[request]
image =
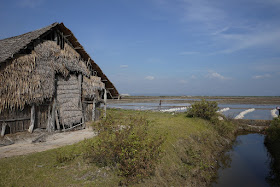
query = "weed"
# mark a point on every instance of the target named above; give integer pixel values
(127, 146)
(208, 110)
(273, 132)
(272, 143)
(186, 158)
(203, 109)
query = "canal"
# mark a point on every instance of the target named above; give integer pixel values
(246, 164)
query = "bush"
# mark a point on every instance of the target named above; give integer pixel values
(273, 131)
(127, 146)
(203, 109)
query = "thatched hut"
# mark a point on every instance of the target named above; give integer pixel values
(48, 81)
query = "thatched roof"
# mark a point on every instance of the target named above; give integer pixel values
(30, 78)
(11, 46)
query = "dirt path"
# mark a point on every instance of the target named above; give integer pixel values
(25, 146)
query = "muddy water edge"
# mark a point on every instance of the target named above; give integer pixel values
(249, 162)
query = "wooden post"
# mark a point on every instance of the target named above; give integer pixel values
(105, 102)
(57, 121)
(80, 80)
(93, 110)
(32, 119)
(80, 88)
(3, 129)
(50, 126)
(53, 113)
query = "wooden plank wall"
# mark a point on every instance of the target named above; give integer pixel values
(41, 116)
(87, 106)
(87, 111)
(17, 125)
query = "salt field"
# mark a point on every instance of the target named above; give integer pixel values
(236, 111)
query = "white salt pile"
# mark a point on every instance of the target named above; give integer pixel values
(241, 115)
(223, 110)
(174, 109)
(273, 113)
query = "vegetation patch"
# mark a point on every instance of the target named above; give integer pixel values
(203, 109)
(272, 142)
(127, 146)
(133, 148)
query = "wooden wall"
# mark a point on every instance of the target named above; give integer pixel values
(41, 116)
(87, 106)
(17, 121)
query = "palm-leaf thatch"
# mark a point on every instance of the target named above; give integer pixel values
(91, 86)
(30, 78)
(10, 47)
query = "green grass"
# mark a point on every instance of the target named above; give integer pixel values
(191, 149)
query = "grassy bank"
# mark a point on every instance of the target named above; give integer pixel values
(189, 156)
(272, 143)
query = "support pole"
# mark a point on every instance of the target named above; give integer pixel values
(80, 80)
(56, 120)
(93, 110)
(32, 119)
(105, 102)
(80, 89)
(50, 126)
(53, 113)
(3, 129)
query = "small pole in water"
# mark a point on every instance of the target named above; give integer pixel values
(278, 108)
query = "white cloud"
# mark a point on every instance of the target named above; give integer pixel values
(202, 11)
(189, 53)
(193, 77)
(226, 32)
(215, 75)
(261, 76)
(153, 60)
(220, 31)
(30, 3)
(244, 41)
(150, 78)
(183, 81)
(123, 66)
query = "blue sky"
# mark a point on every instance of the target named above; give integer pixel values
(167, 47)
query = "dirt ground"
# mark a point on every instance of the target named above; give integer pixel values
(25, 143)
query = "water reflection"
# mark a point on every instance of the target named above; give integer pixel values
(274, 175)
(248, 165)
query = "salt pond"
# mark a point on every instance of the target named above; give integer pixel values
(261, 111)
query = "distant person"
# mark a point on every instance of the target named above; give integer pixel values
(159, 104)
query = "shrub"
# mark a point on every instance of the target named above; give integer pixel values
(203, 109)
(223, 127)
(273, 131)
(127, 146)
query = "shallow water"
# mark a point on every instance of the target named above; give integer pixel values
(147, 106)
(247, 164)
(261, 112)
(181, 99)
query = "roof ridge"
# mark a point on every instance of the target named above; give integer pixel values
(51, 25)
